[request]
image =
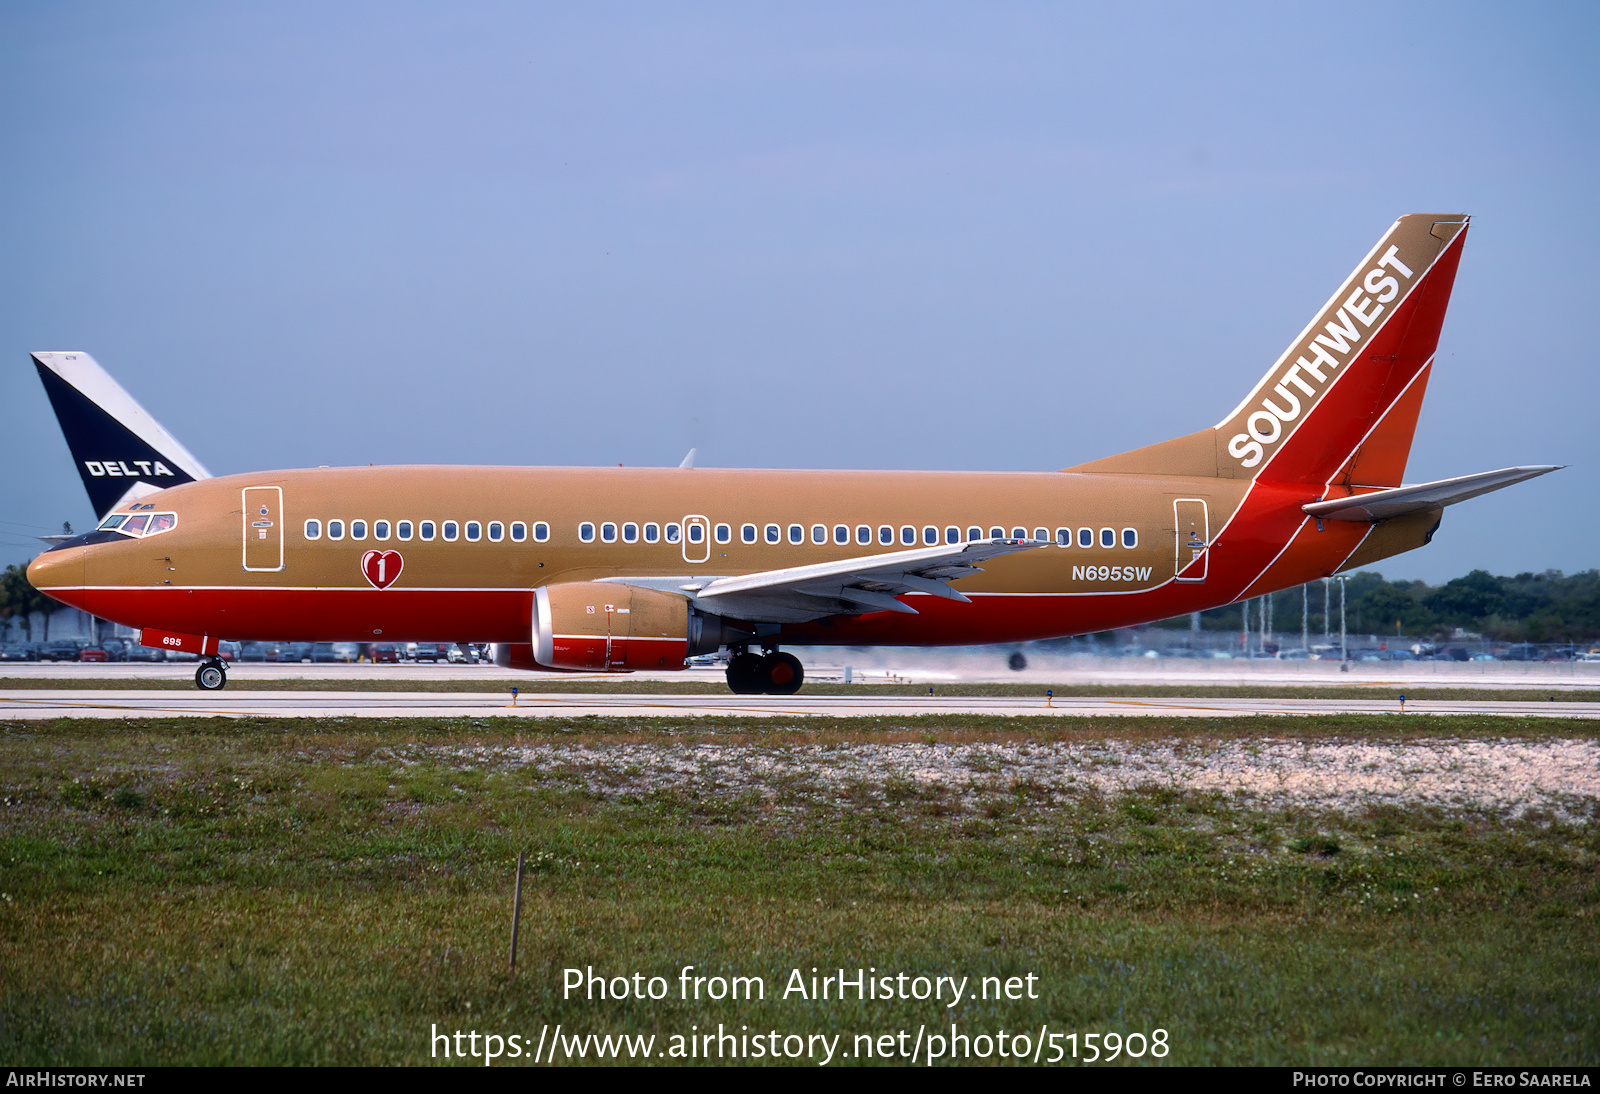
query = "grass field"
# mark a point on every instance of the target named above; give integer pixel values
(282, 891)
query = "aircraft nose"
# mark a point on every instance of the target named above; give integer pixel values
(57, 569)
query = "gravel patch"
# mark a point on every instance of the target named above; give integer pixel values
(1555, 778)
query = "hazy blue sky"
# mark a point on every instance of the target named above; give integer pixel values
(989, 236)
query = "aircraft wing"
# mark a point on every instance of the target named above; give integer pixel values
(852, 586)
(1397, 502)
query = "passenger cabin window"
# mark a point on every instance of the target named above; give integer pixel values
(358, 529)
(974, 533)
(908, 535)
(380, 529)
(952, 534)
(497, 531)
(773, 534)
(1019, 533)
(1041, 534)
(336, 529)
(819, 533)
(1085, 537)
(724, 534)
(673, 533)
(863, 534)
(747, 533)
(608, 532)
(630, 533)
(885, 535)
(519, 531)
(541, 531)
(652, 533)
(997, 533)
(425, 530)
(313, 527)
(1108, 537)
(403, 530)
(586, 532)
(474, 531)
(451, 531)
(697, 533)
(841, 534)
(1063, 537)
(930, 536)
(1130, 537)
(797, 534)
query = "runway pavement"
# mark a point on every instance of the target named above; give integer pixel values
(923, 667)
(134, 703)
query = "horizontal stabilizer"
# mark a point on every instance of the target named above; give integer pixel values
(121, 451)
(1401, 500)
(852, 586)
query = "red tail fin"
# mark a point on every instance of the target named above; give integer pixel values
(1342, 401)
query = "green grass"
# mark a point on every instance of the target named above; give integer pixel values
(301, 891)
(627, 686)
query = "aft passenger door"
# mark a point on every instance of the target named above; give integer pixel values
(1192, 556)
(263, 528)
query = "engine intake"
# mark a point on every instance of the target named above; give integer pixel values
(597, 626)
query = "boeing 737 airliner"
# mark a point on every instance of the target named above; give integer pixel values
(617, 569)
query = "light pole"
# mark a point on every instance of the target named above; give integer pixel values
(1344, 650)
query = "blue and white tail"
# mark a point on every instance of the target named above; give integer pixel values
(122, 452)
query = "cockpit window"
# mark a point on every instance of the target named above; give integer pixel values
(139, 524)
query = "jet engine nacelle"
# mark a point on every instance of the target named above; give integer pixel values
(598, 626)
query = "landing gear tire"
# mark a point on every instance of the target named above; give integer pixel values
(781, 674)
(744, 674)
(211, 676)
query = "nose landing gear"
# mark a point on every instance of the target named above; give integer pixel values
(212, 675)
(774, 673)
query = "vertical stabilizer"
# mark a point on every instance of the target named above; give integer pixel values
(1342, 401)
(121, 451)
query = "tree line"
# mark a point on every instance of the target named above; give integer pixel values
(1545, 607)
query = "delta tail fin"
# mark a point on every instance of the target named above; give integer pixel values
(1340, 406)
(122, 452)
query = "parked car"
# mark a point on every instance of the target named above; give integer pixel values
(95, 654)
(18, 651)
(116, 648)
(432, 652)
(385, 654)
(228, 651)
(62, 650)
(289, 652)
(136, 652)
(347, 652)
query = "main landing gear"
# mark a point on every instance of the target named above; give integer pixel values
(772, 673)
(212, 675)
